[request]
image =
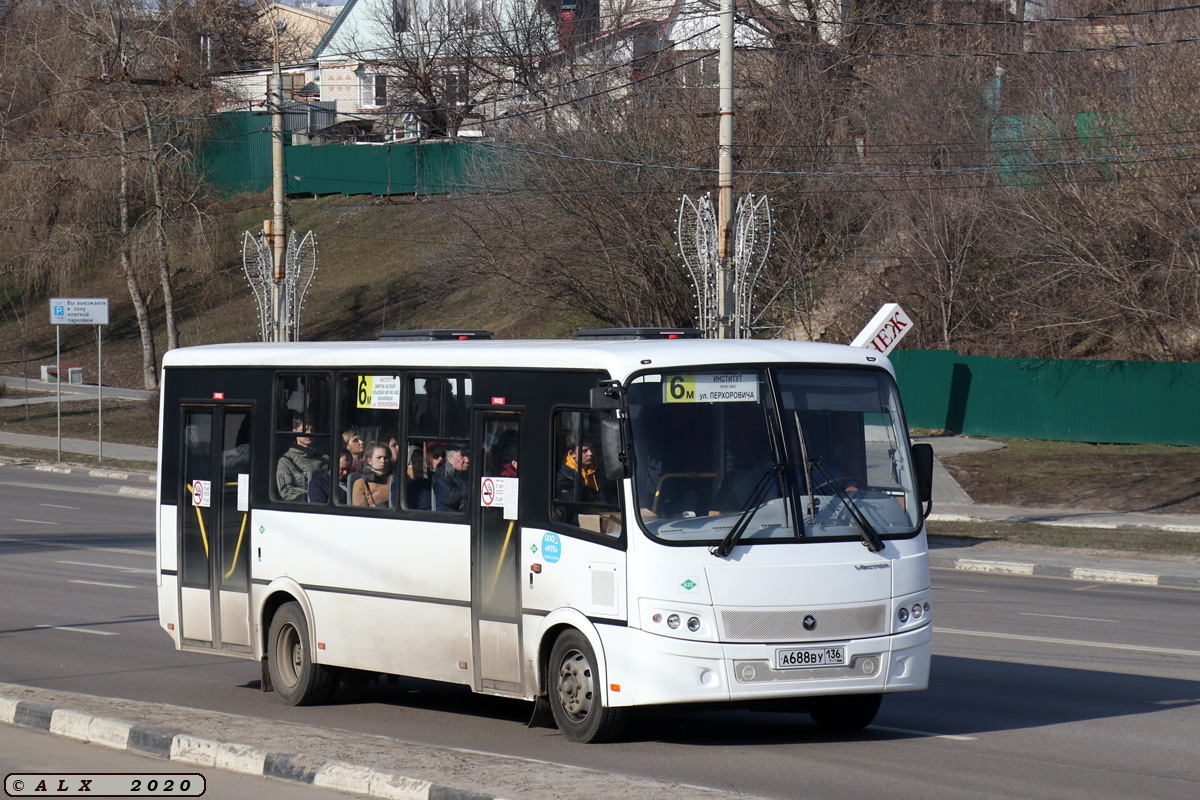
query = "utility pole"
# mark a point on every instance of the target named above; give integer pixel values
(725, 178)
(276, 230)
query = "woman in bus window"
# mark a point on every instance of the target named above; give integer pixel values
(374, 490)
(353, 442)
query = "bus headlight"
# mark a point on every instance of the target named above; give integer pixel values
(693, 624)
(902, 615)
(673, 621)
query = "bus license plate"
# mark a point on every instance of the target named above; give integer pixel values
(809, 657)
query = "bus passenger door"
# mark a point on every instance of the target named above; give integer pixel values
(495, 537)
(214, 528)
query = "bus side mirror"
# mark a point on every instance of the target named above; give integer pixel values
(606, 396)
(616, 465)
(923, 469)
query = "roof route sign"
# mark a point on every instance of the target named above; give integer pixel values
(79, 311)
(885, 330)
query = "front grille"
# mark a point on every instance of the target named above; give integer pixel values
(865, 666)
(787, 625)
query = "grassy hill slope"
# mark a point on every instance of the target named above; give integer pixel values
(382, 264)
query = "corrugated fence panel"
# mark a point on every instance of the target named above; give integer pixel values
(238, 159)
(1058, 399)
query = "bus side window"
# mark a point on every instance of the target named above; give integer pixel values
(437, 453)
(368, 426)
(581, 496)
(301, 440)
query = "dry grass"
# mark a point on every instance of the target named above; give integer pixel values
(1115, 477)
(1122, 542)
(125, 421)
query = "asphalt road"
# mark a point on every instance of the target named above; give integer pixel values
(1040, 687)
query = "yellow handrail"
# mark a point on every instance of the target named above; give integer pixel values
(499, 563)
(200, 519)
(238, 548)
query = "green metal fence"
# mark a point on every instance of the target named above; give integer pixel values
(237, 158)
(1057, 399)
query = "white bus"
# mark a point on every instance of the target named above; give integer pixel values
(593, 524)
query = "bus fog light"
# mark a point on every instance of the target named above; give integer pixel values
(902, 614)
(693, 624)
(917, 611)
(673, 621)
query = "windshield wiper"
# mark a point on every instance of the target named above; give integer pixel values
(870, 536)
(753, 503)
(812, 501)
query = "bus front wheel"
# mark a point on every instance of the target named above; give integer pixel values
(296, 679)
(576, 695)
(847, 712)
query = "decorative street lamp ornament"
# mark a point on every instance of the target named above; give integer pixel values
(300, 265)
(697, 236)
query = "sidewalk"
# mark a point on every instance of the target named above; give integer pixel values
(90, 447)
(71, 392)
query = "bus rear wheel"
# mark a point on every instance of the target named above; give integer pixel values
(576, 696)
(846, 712)
(296, 679)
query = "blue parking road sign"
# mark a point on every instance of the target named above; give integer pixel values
(79, 311)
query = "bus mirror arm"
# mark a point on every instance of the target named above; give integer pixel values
(922, 455)
(612, 443)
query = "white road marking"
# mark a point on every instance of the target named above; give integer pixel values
(54, 505)
(1137, 648)
(34, 521)
(113, 585)
(108, 566)
(1063, 616)
(960, 589)
(77, 630)
(926, 734)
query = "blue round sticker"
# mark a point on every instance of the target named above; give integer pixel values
(551, 548)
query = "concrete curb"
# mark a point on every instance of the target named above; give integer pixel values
(1001, 566)
(106, 474)
(186, 749)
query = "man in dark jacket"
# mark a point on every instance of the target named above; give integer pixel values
(298, 464)
(450, 488)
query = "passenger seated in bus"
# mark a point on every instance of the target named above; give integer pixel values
(352, 441)
(393, 442)
(418, 488)
(374, 490)
(318, 487)
(450, 487)
(508, 461)
(299, 462)
(435, 454)
(576, 480)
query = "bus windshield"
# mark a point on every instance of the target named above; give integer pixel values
(812, 453)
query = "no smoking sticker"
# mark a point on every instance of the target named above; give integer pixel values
(202, 493)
